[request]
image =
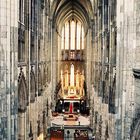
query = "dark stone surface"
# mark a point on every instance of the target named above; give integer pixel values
(136, 73)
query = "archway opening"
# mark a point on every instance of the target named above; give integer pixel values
(71, 22)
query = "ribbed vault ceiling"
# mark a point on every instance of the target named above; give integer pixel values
(62, 10)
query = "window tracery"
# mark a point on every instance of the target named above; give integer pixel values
(72, 35)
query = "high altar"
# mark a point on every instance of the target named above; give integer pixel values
(72, 83)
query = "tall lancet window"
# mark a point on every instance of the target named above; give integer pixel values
(21, 31)
(82, 38)
(78, 35)
(66, 36)
(63, 40)
(21, 11)
(73, 28)
(72, 35)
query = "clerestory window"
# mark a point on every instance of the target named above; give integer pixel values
(21, 11)
(72, 36)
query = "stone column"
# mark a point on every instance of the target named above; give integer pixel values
(126, 42)
(22, 126)
(88, 63)
(53, 63)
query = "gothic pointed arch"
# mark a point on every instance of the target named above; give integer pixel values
(32, 86)
(64, 9)
(22, 92)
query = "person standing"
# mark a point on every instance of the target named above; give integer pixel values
(68, 133)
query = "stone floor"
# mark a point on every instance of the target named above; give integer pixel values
(82, 120)
(81, 123)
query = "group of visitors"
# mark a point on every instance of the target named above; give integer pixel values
(79, 135)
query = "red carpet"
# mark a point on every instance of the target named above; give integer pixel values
(57, 138)
(71, 108)
(57, 135)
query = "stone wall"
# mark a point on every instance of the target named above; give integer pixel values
(104, 68)
(127, 60)
(36, 69)
(8, 69)
(32, 75)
